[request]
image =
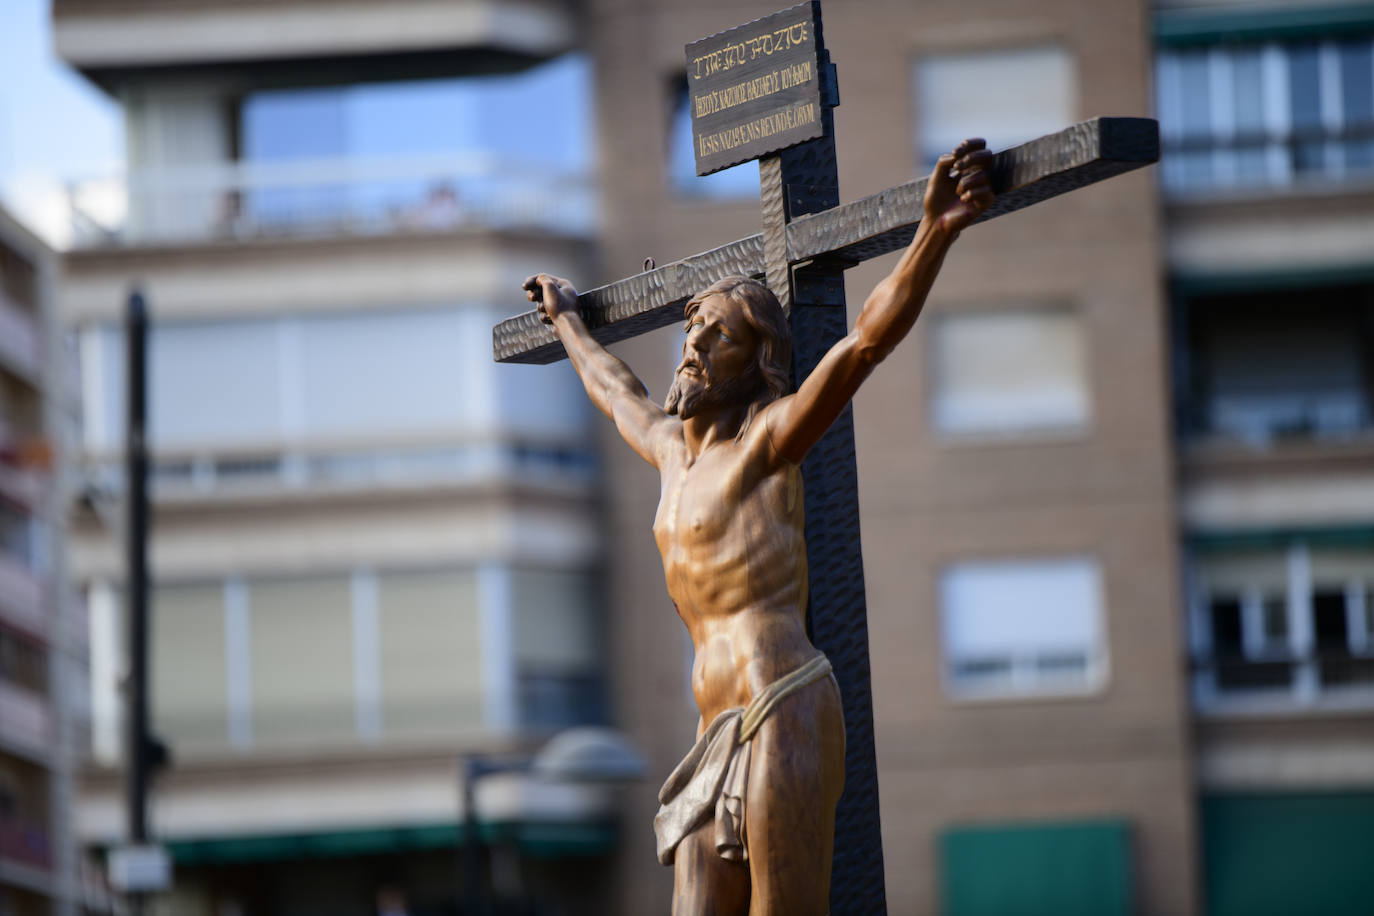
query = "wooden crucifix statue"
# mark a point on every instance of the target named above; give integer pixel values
(766, 577)
(748, 819)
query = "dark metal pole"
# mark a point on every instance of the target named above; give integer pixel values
(136, 547)
(475, 892)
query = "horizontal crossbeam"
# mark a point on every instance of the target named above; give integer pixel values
(1072, 158)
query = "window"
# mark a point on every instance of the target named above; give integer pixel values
(431, 664)
(410, 155)
(190, 696)
(556, 643)
(1283, 626)
(344, 658)
(1005, 96)
(21, 537)
(739, 181)
(1268, 366)
(1265, 113)
(1019, 627)
(1009, 372)
(326, 376)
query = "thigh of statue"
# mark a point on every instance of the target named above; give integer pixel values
(796, 776)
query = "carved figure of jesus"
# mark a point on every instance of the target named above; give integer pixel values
(747, 820)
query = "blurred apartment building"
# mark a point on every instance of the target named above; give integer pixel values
(1116, 490)
(373, 552)
(44, 687)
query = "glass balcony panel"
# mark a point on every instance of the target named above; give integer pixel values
(24, 719)
(21, 347)
(21, 597)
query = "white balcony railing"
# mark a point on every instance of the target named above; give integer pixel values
(330, 197)
(24, 719)
(326, 467)
(21, 597)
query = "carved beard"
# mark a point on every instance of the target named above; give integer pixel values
(739, 391)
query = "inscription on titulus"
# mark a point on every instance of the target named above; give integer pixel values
(755, 89)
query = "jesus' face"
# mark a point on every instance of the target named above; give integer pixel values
(719, 365)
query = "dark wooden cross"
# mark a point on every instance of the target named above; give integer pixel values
(808, 240)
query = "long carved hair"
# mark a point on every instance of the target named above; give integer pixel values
(765, 315)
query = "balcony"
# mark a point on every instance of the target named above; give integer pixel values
(1264, 113)
(19, 486)
(118, 43)
(21, 598)
(1276, 366)
(330, 198)
(25, 843)
(25, 722)
(323, 468)
(21, 344)
(1279, 629)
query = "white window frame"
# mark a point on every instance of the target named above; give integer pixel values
(1025, 683)
(1011, 435)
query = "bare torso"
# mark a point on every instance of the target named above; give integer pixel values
(730, 528)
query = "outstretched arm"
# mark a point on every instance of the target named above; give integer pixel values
(958, 192)
(610, 384)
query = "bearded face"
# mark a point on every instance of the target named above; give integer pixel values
(693, 392)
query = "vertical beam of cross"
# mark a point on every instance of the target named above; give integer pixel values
(800, 180)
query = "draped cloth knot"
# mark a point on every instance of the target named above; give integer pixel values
(714, 776)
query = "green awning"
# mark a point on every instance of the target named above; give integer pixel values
(1207, 26)
(1336, 538)
(1080, 868)
(1286, 853)
(1193, 285)
(538, 840)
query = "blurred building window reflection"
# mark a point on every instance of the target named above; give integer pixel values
(1011, 371)
(1246, 115)
(557, 638)
(346, 658)
(431, 664)
(1278, 627)
(739, 181)
(335, 398)
(1017, 93)
(1274, 365)
(1023, 627)
(359, 159)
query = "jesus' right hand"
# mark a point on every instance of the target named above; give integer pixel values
(553, 295)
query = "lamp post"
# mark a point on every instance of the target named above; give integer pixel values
(584, 755)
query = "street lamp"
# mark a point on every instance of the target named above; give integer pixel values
(586, 755)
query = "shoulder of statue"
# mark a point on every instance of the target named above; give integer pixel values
(762, 430)
(669, 443)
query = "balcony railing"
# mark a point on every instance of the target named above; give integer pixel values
(1262, 421)
(1324, 678)
(22, 841)
(1253, 160)
(230, 471)
(243, 201)
(21, 597)
(21, 344)
(18, 485)
(24, 719)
